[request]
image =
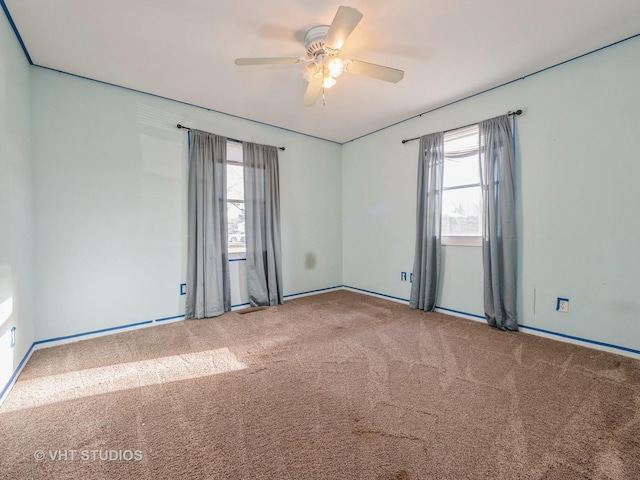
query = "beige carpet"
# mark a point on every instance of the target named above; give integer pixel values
(334, 386)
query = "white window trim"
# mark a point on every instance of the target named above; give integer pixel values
(462, 240)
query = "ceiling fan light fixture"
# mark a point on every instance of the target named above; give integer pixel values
(335, 67)
(328, 81)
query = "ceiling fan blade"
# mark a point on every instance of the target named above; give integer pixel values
(268, 61)
(372, 70)
(313, 90)
(343, 24)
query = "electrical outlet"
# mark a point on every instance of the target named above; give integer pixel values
(562, 305)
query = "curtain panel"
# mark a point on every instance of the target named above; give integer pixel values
(426, 263)
(208, 287)
(262, 224)
(499, 245)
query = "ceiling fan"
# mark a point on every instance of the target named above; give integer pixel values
(323, 65)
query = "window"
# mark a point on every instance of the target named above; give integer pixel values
(462, 195)
(235, 200)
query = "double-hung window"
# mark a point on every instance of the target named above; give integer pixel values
(462, 194)
(235, 200)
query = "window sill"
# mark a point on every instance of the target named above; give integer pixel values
(235, 256)
(462, 241)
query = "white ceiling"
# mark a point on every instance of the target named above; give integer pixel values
(184, 50)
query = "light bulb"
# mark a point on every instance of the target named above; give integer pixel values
(336, 66)
(328, 82)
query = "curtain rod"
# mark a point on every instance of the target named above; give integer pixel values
(510, 113)
(232, 139)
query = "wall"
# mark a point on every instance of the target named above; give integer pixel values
(110, 204)
(577, 171)
(16, 218)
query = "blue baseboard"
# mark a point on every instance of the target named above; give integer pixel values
(318, 290)
(240, 305)
(526, 327)
(165, 319)
(17, 370)
(580, 339)
(376, 293)
(93, 332)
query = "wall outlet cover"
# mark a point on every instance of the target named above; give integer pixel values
(562, 305)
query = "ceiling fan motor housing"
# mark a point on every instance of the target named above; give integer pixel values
(314, 40)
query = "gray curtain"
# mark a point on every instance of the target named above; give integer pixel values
(208, 288)
(262, 224)
(499, 230)
(426, 262)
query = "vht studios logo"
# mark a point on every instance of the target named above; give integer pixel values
(89, 455)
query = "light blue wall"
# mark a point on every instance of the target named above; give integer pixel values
(577, 168)
(16, 218)
(110, 169)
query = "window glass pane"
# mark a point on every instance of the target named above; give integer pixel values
(461, 171)
(462, 212)
(235, 182)
(235, 217)
(235, 201)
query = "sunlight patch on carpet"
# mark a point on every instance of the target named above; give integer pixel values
(95, 381)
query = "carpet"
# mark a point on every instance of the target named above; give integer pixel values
(333, 386)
